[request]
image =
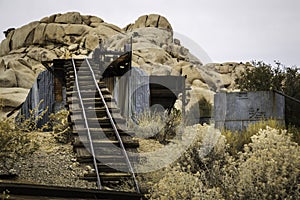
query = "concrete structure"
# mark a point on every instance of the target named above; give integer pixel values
(235, 111)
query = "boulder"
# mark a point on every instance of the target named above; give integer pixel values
(224, 69)
(23, 36)
(41, 54)
(28, 62)
(152, 20)
(163, 23)
(199, 84)
(77, 29)
(212, 78)
(73, 47)
(140, 22)
(105, 30)
(156, 36)
(91, 41)
(147, 68)
(7, 78)
(142, 38)
(24, 76)
(161, 70)
(193, 110)
(95, 21)
(18, 51)
(139, 44)
(55, 33)
(226, 80)
(69, 18)
(5, 44)
(71, 39)
(50, 19)
(154, 55)
(192, 72)
(11, 98)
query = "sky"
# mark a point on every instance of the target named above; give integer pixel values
(214, 30)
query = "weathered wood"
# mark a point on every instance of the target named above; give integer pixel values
(31, 191)
(106, 147)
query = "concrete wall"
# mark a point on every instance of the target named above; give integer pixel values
(235, 111)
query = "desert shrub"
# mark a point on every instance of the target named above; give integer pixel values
(60, 126)
(205, 108)
(270, 167)
(295, 133)
(262, 77)
(148, 124)
(208, 145)
(237, 140)
(14, 144)
(198, 112)
(178, 184)
(267, 167)
(157, 125)
(291, 84)
(30, 123)
(189, 177)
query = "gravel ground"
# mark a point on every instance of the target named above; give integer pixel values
(52, 163)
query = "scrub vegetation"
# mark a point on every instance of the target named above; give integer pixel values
(262, 164)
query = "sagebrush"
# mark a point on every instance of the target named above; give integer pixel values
(267, 167)
(14, 144)
(60, 126)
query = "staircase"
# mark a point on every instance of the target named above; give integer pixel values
(100, 137)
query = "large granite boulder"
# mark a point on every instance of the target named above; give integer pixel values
(152, 20)
(58, 36)
(71, 34)
(10, 98)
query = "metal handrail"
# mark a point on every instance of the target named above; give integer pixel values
(115, 129)
(87, 127)
(287, 96)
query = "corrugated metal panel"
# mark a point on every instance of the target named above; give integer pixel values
(235, 111)
(40, 98)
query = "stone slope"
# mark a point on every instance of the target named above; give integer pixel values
(75, 35)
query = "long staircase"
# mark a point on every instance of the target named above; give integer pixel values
(100, 137)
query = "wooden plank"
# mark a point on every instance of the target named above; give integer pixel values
(32, 191)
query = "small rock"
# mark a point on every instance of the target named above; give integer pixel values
(176, 41)
(83, 51)
(12, 171)
(73, 47)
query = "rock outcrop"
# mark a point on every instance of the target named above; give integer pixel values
(58, 36)
(23, 52)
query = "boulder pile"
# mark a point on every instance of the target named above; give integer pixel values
(24, 50)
